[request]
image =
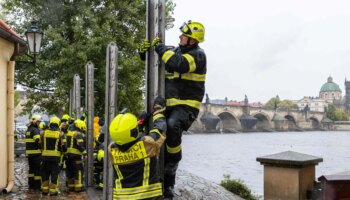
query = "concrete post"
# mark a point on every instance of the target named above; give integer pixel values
(288, 175)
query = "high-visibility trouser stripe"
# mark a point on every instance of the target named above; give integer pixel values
(30, 175)
(191, 103)
(157, 116)
(173, 150)
(146, 172)
(30, 140)
(186, 76)
(37, 177)
(35, 137)
(74, 151)
(167, 55)
(149, 194)
(80, 140)
(118, 184)
(79, 184)
(155, 131)
(51, 153)
(191, 62)
(37, 151)
(140, 189)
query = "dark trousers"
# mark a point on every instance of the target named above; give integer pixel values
(74, 173)
(34, 174)
(179, 119)
(50, 169)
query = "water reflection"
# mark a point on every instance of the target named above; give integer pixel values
(212, 155)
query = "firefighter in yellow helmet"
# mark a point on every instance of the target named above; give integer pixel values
(33, 152)
(134, 158)
(75, 153)
(53, 145)
(185, 71)
(64, 128)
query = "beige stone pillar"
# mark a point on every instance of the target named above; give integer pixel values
(288, 175)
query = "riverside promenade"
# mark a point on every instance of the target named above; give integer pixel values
(188, 187)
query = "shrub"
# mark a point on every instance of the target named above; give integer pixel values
(237, 186)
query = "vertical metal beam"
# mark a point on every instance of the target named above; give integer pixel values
(154, 67)
(77, 96)
(70, 102)
(89, 99)
(110, 110)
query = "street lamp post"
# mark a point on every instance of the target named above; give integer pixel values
(34, 37)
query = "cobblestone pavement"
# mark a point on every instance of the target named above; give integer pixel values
(20, 191)
(188, 187)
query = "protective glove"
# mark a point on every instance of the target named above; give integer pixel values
(159, 105)
(143, 120)
(145, 45)
(156, 41)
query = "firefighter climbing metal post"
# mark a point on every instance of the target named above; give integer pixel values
(154, 68)
(89, 99)
(110, 110)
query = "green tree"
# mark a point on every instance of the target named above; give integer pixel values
(17, 98)
(77, 32)
(331, 112)
(341, 115)
(275, 103)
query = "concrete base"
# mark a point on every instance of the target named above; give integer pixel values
(288, 183)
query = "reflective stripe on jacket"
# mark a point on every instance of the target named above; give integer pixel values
(32, 141)
(185, 75)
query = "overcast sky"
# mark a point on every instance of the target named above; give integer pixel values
(267, 47)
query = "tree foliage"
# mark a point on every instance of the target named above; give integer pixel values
(336, 114)
(76, 32)
(275, 103)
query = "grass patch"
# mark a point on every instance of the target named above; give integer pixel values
(237, 187)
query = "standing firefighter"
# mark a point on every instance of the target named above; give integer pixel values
(53, 145)
(184, 91)
(33, 152)
(134, 158)
(75, 153)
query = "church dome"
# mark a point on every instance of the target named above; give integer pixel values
(330, 86)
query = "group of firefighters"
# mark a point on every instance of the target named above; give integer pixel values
(133, 153)
(51, 147)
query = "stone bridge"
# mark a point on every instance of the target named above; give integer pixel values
(226, 118)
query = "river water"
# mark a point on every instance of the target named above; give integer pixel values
(212, 155)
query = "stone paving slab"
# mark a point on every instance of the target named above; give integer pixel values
(188, 187)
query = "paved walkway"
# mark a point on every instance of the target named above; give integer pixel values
(188, 187)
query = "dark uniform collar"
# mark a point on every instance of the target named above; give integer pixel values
(187, 48)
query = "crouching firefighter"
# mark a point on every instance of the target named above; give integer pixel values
(134, 158)
(53, 145)
(75, 153)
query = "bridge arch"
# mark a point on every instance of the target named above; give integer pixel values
(292, 124)
(264, 121)
(229, 122)
(315, 123)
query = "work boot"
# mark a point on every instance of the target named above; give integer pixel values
(169, 192)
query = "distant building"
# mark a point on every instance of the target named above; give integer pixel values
(347, 96)
(330, 91)
(312, 103)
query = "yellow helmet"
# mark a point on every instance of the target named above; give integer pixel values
(36, 118)
(80, 124)
(54, 120)
(123, 128)
(193, 30)
(65, 117)
(100, 155)
(42, 125)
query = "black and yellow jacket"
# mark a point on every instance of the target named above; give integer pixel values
(186, 68)
(53, 144)
(75, 143)
(33, 141)
(135, 164)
